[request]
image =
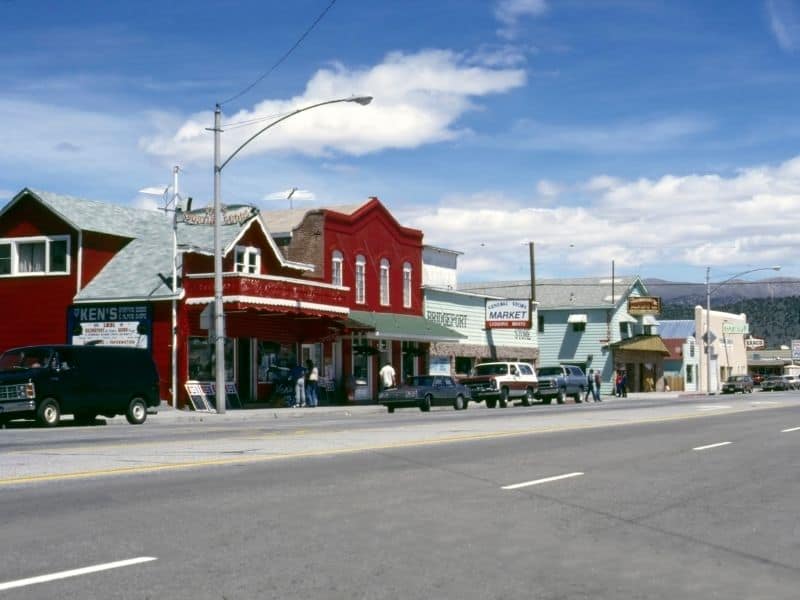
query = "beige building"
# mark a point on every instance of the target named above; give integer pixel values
(728, 354)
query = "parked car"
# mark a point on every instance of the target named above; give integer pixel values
(559, 382)
(793, 381)
(775, 383)
(501, 382)
(44, 382)
(738, 383)
(424, 391)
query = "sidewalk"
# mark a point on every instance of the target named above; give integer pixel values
(167, 414)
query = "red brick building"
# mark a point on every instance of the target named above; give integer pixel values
(340, 287)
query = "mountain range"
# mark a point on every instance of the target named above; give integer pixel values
(772, 305)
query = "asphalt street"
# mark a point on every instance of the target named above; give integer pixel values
(640, 499)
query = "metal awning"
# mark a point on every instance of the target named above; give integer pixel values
(649, 320)
(392, 326)
(577, 318)
(626, 318)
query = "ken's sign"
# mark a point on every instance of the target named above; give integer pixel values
(508, 314)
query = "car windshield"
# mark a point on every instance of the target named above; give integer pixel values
(490, 369)
(549, 371)
(24, 359)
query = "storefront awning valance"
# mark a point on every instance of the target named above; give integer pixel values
(577, 318)
(642, 343)
(391, 326)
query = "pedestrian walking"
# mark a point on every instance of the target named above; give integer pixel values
(298, 377)
(596, 389)
(589, 385)
(618, 384)
(312, 375)
(624, 385)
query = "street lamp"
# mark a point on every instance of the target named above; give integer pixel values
(709, 291)
(219, 327)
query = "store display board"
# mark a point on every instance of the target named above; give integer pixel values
(203, 395)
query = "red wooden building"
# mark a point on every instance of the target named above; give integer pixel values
(338, 286)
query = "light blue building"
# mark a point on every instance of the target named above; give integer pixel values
(586, 322)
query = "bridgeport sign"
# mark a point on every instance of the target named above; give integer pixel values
(508, 314)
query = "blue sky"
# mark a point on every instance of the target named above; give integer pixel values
(662, 135)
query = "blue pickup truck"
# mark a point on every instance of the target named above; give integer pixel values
(560, 382)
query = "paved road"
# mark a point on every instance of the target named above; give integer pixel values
(647, 499)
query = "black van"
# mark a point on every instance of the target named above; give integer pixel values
(44, 382)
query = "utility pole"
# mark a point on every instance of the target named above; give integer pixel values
(219, 315)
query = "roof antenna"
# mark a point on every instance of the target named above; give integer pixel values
(289, 197)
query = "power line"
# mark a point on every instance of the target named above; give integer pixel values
(284, 57)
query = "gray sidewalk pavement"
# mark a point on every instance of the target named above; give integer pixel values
(167, 414)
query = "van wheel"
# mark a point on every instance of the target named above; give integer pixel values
(503, 397)
(49, 413)
(137, 411)
(527, 399)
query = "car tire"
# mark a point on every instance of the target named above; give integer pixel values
(390, 409)
(561, 397)
(460, 403)
(527, 400)
(137, 411)
(49, 413)
(491, 402)
(503, 397)
(425, 405)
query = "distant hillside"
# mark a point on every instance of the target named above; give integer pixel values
(772, 306)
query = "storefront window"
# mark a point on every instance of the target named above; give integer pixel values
(202, 364)
(274, 361)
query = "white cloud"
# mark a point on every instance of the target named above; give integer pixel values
(644, 225)
(784, 20)
(418, 99)
(509, 13)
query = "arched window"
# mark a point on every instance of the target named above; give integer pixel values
(384, 282)
(336, 268)
(407, 285)
(361, 267)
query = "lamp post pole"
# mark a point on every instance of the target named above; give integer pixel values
(709, 291)
(219, 315)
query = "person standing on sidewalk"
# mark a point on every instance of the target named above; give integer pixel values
(298, 377)
(597, 383)
(388, 376)
(589, 386)
(311, 383)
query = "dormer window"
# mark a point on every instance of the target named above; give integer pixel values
(248, 259)
(384, 282)
(336, 268)
(41, 255)
(361, 268)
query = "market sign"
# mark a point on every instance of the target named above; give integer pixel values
(644, 305)
(508, 314)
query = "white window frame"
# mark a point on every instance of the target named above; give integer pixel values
(384, 282)
(361, 276)
(242, 257)
(47, 240)
(407, 285)
(337, 262)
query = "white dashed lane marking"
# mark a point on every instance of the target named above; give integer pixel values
(516, 486)
(709, 446)
(8, 585)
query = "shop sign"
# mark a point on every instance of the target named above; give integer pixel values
(795, 349)
(439, 365)
(234, 214)
(644, 305)
(447, 319)
(735, 328)
(110, 325)
(508, 314)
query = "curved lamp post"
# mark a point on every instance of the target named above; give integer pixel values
(219, 319)
(709, 291)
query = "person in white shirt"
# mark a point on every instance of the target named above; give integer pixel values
(388, 376)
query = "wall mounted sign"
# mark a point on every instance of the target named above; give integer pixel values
(110, 325)
(644, 305)
(508, 314)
